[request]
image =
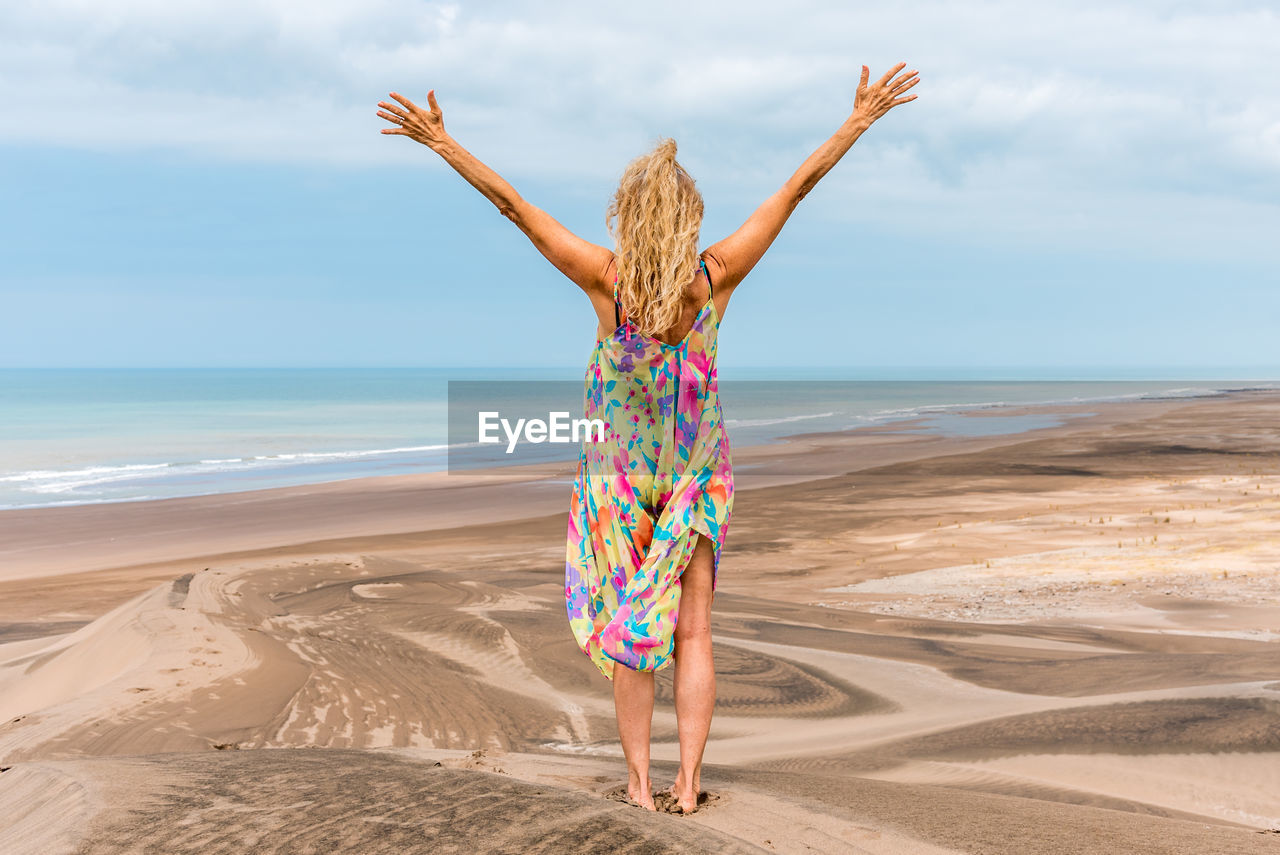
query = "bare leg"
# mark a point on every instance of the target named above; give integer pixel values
(633, 701)
(695, 674)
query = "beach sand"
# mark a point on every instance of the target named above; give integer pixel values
(1066, 640)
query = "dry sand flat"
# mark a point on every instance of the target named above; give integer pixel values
(928, 654)
(337, 800)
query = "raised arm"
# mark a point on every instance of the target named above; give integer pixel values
(583, 262)
(739, 252)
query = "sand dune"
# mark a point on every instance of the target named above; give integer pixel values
(334, 801)
(926, 654)
(297, 800)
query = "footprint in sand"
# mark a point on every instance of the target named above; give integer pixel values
(663, 801)
(478, 759)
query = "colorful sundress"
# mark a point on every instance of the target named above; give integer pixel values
(661, 476)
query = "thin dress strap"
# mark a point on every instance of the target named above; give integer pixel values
(710, 291)
(618, 315)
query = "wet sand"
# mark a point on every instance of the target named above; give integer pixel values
(1061, 641)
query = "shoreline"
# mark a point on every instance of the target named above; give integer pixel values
(932, 413)
(68, 539)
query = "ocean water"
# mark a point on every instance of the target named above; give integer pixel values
(74, 436)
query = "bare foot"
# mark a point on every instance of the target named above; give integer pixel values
(685, 798)
(641, 795)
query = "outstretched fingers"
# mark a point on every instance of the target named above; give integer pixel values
(395, 115)
(888, 75)
(907, 82)
(405, 101)
(421, 125)
(897, 91)
(393, 109)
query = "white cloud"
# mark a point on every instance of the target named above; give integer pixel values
(1116, 121)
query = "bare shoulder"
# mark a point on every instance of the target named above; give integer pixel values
(723, 278)
(603, 283)
(721, 287)
(601, 295)
(715, 265)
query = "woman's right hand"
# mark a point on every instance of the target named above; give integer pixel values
(424, 126)
(872, 102)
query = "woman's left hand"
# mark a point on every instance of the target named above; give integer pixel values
(425, 126)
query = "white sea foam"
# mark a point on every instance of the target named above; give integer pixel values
(55, 481)
(40, 474)
(901, 413)
(779, 420)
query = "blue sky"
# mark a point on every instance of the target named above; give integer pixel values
(1092, 185)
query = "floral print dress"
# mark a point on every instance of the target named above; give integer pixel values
(661, 476)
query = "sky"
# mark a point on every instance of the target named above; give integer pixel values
(1078, 185)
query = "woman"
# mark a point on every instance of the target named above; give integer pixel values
(651, 503)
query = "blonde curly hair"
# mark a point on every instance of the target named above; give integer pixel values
(658, 212)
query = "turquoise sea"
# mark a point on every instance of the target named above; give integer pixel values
(73, 436)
